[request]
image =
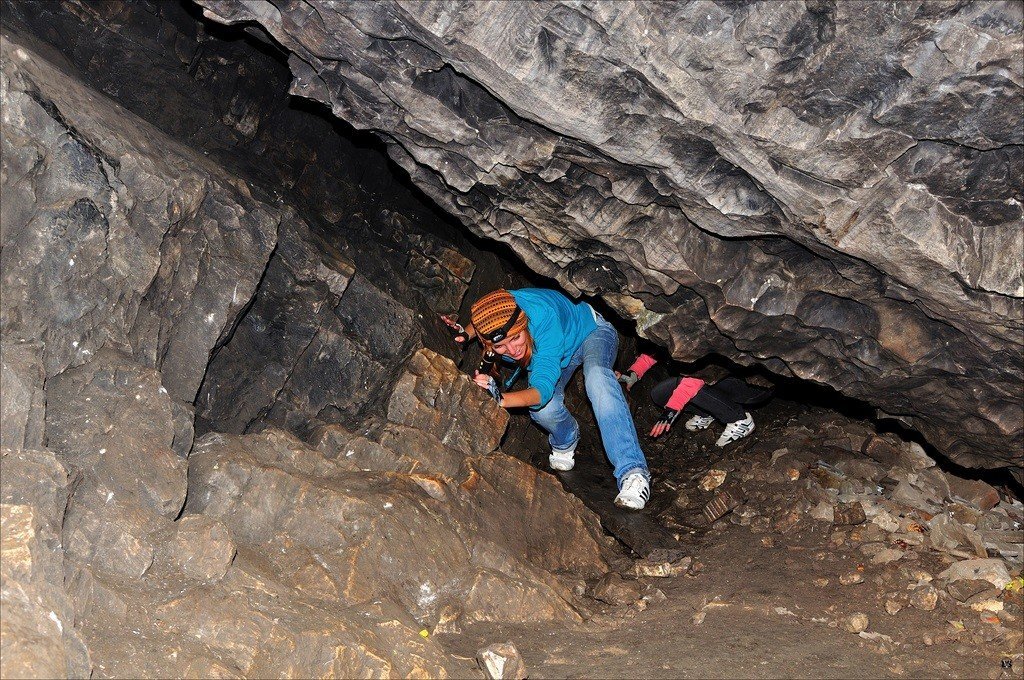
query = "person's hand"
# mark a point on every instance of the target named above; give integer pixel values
(461, 336)
(664, 423)
(628, 379)
(488, 383)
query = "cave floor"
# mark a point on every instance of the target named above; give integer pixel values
(767, 620)
(758, 604)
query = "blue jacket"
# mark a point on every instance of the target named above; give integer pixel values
(558, 326)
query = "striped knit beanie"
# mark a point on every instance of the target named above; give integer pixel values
(493, 311)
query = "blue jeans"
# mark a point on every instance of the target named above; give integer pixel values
(618, 434)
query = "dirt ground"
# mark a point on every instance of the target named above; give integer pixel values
(765, 619)
(765, 604)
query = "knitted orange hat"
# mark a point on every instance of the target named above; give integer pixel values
(494, 311)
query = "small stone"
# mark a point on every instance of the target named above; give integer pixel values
(965, 589)
(872, 549)
(722, 504)
(915, 574)
(712, 480)
(821, 582)
(615, 590)
(867, 533)
(894, 606)
(652, 569)
(855, 623)
(886, 522)
(501, 661)
(989, 605)
(992, 570)
(656, 596)
(886, 556)
(849, 514)
(823, 512)
(760, 524)
(975, 493)
(793, 474)
(924, 598)
(852, 578)
(768, 541)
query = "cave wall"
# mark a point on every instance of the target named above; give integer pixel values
(303, 354)
(140, 275)
(831, 190)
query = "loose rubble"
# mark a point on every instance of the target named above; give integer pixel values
(903, 534)
(501, 661)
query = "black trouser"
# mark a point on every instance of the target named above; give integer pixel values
(723, 401)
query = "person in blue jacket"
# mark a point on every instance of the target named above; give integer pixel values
(551, 336)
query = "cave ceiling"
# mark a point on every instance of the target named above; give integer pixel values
(829, 190)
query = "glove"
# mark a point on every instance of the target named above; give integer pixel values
(492, 389)
(628, 379)
(664, 424)
(459, 331)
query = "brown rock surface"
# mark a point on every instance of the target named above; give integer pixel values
(113, 420)
(361, 536)
(38, 635)
(129, 260)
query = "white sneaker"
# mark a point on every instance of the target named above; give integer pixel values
(635, 492)
(699, 423)
(562, 460)
(736, 430)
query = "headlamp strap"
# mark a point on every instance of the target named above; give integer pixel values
(499, 335)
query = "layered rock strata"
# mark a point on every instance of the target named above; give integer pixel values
(129, 550)
(828, 189)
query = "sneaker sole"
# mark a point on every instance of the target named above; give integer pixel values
(561, 467)
(623, 504)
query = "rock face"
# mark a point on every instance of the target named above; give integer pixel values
(38, 637)
(149, 293)
(828, 189)
(113, 235)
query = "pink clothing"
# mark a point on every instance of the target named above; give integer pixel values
(683, 393)
(643, 363)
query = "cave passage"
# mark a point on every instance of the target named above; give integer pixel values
(238, 440)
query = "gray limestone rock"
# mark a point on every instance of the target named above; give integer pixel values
(828, 189)
(113, 420)
(23, 402)
(115, 233)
